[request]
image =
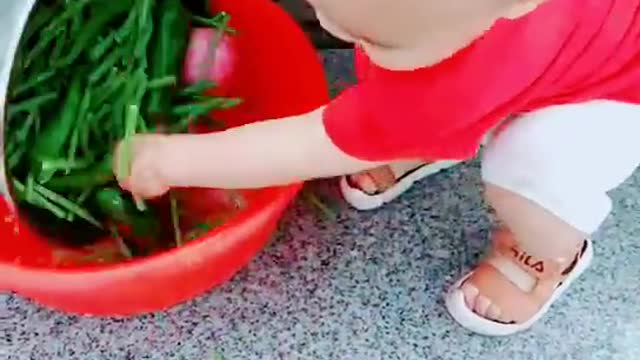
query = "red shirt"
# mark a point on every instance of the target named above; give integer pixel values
(566, 51)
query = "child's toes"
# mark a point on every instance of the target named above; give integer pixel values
(365, 182)
(470, 294)
(481, 305)
(494, 313)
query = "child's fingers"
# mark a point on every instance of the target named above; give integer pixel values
(145, 185)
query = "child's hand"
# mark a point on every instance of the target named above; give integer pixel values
(146, 176)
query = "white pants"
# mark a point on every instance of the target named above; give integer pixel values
(566, 158)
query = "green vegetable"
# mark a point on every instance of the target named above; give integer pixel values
(51, 30)
(50, 142)
(98, 175)
(113, 204)
(31, 104)
(167, 53)
(101, 17)
(84, 75)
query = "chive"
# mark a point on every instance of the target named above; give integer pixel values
(79, 200)
(23, 132)
(175, 219)
(145, 30)
(127, 28)
(200, 229)
(38, 200)
(98, 50)
(205, 107)
(111, 87)
(162, 82)
(67, 205)
(315, 202)
(143, 83)
(65, 164)
(219, 22)
(36, 115)
(15, 156)
(41, 16)
(28, 191)
(32, 82)
(32, 103)
(107, 64)
(60, 40)
(81, 122)
(50, 32)
(124, 162)
(198, 88)
(122, 246)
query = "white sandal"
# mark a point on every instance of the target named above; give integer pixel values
(550, 275)
(364, 201)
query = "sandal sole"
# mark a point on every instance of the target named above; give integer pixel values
(468, 319)
(363, 201)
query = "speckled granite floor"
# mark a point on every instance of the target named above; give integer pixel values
(368, 286)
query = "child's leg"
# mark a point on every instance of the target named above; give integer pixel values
(547, 175)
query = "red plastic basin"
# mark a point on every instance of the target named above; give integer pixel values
(278, 73)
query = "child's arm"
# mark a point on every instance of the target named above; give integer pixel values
(264, 154)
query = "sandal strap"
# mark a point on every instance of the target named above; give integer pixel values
(542, 269)
(383, 177)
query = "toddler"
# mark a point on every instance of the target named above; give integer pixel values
(550, 87)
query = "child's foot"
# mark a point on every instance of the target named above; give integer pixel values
(510, 290)
(373, 188)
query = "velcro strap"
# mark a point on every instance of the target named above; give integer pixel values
(542, 269)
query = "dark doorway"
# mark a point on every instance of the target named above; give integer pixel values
(304, 15)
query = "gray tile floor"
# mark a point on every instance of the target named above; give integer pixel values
(367, 286)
